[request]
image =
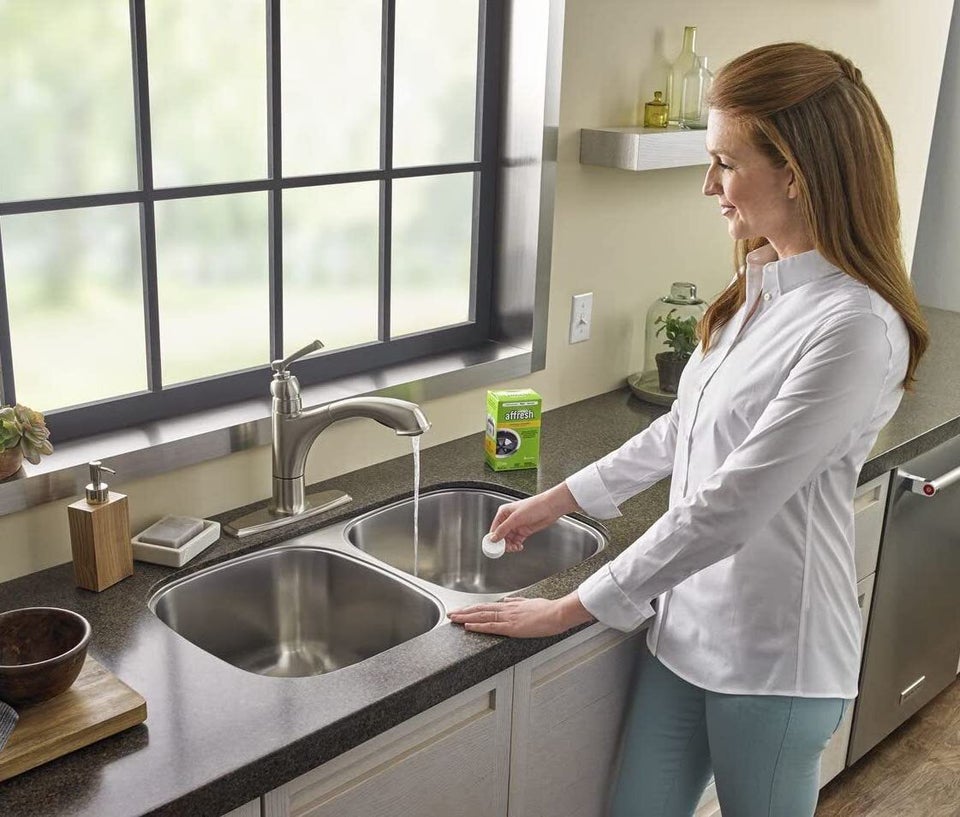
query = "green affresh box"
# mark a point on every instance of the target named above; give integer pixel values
(512, 438)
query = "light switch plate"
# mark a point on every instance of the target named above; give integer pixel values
(581, 315)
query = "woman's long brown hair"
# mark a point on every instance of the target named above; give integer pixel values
(809, 109)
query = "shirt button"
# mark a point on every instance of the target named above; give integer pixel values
(767, 296)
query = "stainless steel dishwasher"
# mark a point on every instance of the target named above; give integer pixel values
(914, 637)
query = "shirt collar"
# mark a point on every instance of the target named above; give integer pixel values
(780, 275)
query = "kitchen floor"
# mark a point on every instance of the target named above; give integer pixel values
(915, 772)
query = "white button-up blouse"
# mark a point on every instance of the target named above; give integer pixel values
(753, 563)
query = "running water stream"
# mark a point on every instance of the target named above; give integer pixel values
(416, 504)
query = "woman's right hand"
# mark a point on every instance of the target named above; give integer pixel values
(515, 521)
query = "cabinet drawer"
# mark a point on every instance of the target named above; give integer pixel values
(451, 759)
(869, 503)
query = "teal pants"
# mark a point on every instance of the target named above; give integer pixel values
(763, 750)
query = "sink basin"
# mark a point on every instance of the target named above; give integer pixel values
(295, 611)
(344, 593)
(452, 523)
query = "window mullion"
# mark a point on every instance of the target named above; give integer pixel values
(388, 29)
(478, 146)
(487, 146)
(148, 232)
(275, 171)
(8, 394)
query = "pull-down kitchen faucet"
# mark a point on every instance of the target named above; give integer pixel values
(295, 429)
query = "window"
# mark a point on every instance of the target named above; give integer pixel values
(192, 188)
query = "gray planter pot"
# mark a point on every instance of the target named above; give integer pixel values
(669, 368)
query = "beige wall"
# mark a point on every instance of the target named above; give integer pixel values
(623, 236)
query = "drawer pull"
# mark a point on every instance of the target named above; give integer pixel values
(860, 600)
(912, 688)
(866, 500)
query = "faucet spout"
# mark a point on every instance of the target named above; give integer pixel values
(405, 418)
(294, 435)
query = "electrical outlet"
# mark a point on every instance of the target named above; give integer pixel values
(581, 313)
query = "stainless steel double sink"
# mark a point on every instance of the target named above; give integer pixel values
(339, 595)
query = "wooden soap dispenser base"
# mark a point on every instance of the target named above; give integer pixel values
(100, 534)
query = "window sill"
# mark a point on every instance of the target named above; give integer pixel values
(166, 445)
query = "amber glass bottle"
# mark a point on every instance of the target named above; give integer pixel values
(655, 112)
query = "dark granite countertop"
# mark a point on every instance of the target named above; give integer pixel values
(217, 736)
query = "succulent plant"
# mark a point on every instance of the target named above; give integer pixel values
(24, 428)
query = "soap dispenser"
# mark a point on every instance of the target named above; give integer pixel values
(100, 534)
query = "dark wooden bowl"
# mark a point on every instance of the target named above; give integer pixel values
(42, 650)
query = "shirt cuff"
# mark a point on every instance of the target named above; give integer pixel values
(591, 494)
(609, 605)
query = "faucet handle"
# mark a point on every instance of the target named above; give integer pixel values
(281, 366)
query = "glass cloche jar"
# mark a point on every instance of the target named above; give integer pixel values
(670, 340)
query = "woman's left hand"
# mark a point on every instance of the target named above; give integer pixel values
(523, 618)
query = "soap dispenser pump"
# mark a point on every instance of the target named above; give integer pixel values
(100, 534)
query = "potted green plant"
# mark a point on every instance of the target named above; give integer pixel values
(23, 434)
(681, 338)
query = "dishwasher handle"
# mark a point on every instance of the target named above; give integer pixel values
(930, 487)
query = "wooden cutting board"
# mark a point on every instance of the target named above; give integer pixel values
(97, 705)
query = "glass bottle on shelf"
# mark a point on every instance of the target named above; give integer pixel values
(693, 98)
(681, 65)
(654, 75)
(655, 112)
(670, 338)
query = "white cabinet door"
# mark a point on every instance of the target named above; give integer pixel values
(452, 759)
(834, 757)
(569, 705)
(869, 504)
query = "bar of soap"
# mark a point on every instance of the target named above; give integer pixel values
(172, 531)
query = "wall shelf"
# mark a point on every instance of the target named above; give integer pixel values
(643, 148)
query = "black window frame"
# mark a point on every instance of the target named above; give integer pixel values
(159, 402)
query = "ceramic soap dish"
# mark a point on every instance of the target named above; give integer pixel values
(174, 540)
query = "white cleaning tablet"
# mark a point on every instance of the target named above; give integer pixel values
(491, 548)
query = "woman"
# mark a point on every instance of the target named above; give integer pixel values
(754, 650)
